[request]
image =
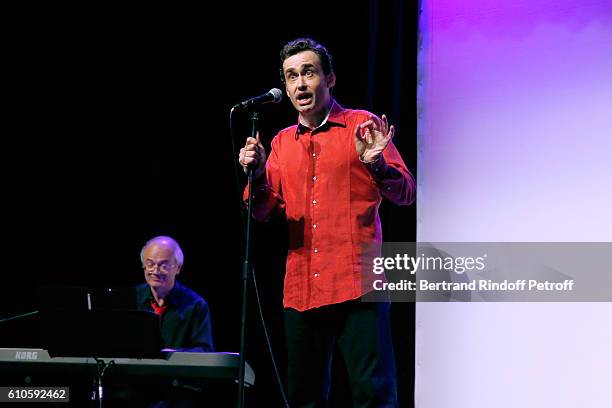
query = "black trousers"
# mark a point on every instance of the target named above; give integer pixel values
(362, 334)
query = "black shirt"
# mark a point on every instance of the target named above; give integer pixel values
(185, 325)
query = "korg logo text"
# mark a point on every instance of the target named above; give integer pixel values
(26, 355)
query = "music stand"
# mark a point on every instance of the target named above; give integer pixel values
(97, 323)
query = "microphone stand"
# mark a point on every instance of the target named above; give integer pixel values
(246, 271)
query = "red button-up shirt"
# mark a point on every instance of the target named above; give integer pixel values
(331, 201)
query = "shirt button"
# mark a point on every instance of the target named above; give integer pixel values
(316, 275)
(314, 201)
(314, 178)
(314, 226)
(314, 155)
(316, 250)
(388, 188)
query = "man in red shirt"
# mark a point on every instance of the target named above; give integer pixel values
(328, 174)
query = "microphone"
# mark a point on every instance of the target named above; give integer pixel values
(274, 95)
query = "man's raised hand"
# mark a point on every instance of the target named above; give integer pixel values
(372, 137)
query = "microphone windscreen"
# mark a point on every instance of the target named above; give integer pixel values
(278, 95)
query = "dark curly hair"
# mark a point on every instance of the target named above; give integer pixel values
(306, 44)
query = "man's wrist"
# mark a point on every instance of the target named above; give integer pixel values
(369, 160)
(376, 166)
(258, 176)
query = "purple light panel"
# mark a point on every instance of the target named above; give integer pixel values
(515, 144)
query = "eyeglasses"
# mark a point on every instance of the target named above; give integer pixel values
(163, 266)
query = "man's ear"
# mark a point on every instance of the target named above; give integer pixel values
(331, 80)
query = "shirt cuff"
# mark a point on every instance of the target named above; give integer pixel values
(377, 168)
(261, 183)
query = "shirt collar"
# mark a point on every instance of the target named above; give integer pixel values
(170, 299)
(335, 116)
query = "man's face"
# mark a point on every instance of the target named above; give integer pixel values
(160, 267)
(306, 84)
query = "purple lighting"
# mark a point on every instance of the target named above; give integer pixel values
(515, 144)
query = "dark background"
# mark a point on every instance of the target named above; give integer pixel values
(117, 130)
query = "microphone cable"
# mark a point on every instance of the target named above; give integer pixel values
(258, 300)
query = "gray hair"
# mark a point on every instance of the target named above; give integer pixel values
(178, 252)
